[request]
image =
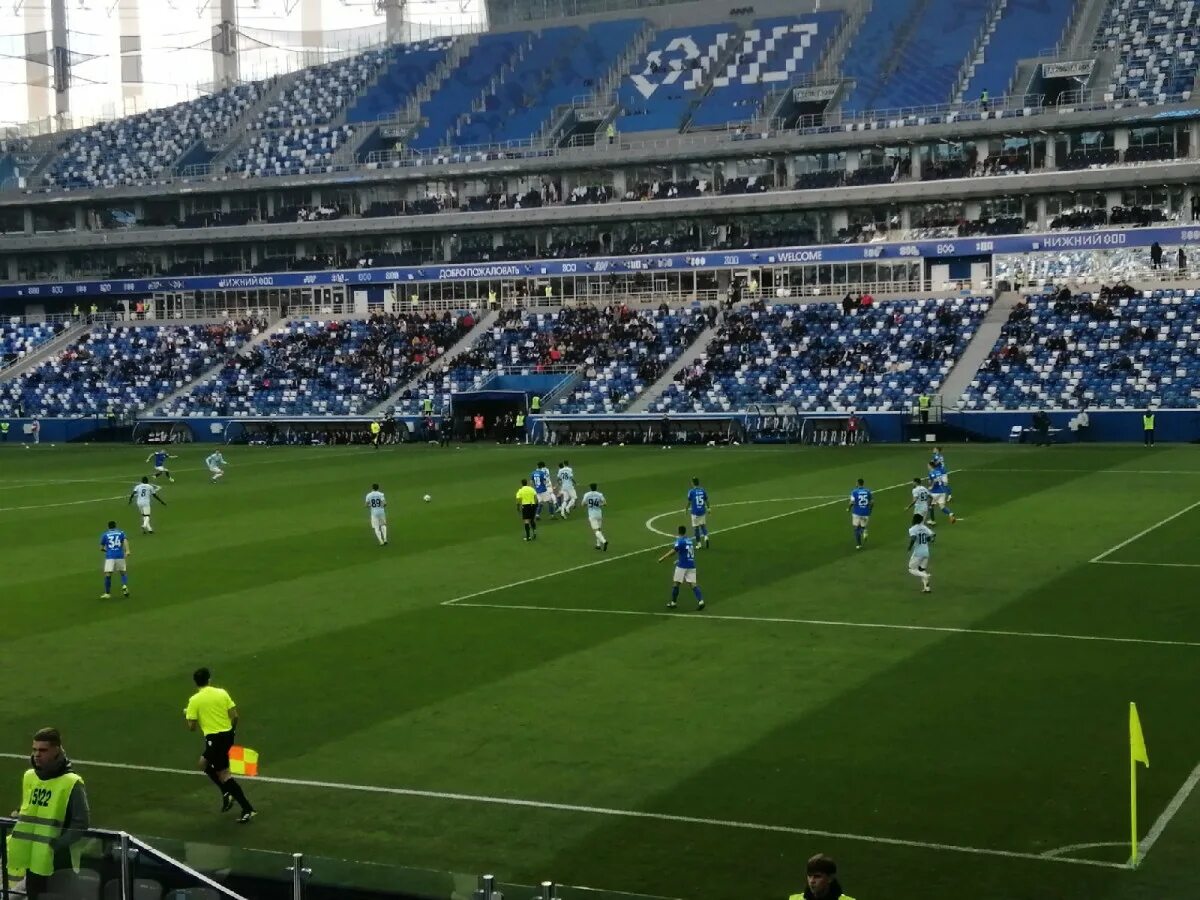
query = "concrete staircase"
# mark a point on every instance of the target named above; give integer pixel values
(653, 392)
(981, 345)
(272, 327)
(482, 327)
(46, 351)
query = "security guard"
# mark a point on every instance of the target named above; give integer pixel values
(1148, 427)
(520, 429)
(492, 304)
(53, 815)
(427, 406)
(549, 291)
(535, 404)
(375, 429)
(4, 426)
(414, 300)
(822, 881)
(611, 132)
(923, 403)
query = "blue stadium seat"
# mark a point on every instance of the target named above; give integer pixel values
(1010, 42)
(661, 87)
(1156, 42)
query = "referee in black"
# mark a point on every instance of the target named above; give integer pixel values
(214, 712)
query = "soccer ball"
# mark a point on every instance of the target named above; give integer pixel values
(426, 498)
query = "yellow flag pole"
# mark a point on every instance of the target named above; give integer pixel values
(1133, 829)
(1137, 754)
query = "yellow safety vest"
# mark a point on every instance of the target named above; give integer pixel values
(923, 401)
(41, 819)
(801, 897)
(520, 420)
(1148, 423)
(535, 404)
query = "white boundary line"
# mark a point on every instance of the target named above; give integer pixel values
(612, 813)
(609, 559)
(1160, 824)
(1071, 848)
(831, 623)
(5, 509)
(1161, 565)
(985, 469)
(1144, 532)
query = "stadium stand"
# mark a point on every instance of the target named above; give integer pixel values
(633, 349)
(774, 53)
(929, 43)
(316, 367)
(1009, 42)
(18, 339)
(467, 85)
(132, 367)
(870, 357)
(406, 67)
(1121, 349)
(1156, 42)
(601, 340)
(656, 93)
(561, 65)
(144, 148)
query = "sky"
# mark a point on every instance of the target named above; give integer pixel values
(175, 59)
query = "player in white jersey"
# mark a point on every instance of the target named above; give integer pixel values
(216, 463)
(920, 502)
(143, 493)
(594, 503)
(566, 488)
(920, 538)
(377, 504)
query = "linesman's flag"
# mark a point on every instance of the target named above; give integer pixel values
(1137, 754)
(243, 761)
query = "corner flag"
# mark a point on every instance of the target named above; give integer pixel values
(243, 761)
(1137, 754)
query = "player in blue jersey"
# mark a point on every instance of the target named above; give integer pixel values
(115, 547)
(862, 502)
(920, 539)
(937, 458)
(684, 551)
(160, 458)
(697, 501)
(939, 488)
(544, 487)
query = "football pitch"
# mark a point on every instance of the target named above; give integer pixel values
(464, 701)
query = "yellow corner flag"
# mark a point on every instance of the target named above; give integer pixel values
(243, 761)
(1137, 754)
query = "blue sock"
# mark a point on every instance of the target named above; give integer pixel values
(108, 584)
(674, 593)
(949, 512)
(697, 533)
(858, 535)
(704, 528)
(124, 579)
(696, 591)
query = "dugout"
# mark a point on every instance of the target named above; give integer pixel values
(493, 405)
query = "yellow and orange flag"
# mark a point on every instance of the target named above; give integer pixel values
(243, 761)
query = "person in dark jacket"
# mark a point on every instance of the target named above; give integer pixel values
(822, 881)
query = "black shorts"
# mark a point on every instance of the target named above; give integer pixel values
(216, 749)
(529, 512)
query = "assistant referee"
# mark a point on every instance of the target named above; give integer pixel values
(527, 506)
(216, 714)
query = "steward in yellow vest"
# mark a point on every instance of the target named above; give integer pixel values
(1148, 428)
(53, 814)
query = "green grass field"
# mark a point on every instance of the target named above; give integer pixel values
(936, 745)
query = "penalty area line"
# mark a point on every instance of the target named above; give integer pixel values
(610, 812)
(1145, 531)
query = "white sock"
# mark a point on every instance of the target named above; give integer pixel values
(383, 532)
(599, 538)
(146, 522)
(916, 572)
(378, 533)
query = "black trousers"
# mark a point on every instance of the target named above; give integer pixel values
(1148, 436)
